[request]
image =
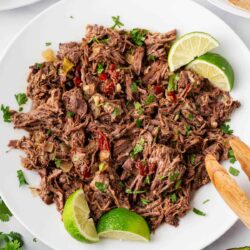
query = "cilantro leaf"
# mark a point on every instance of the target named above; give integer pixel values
(11, 241)
(145, 201)
(187, 129)
(233, 171)
(48, 43)
(5, 213)
(21, 98)
(206, 201)
(149, 99)
(151, 58)
(21, 178)
(172, 83)
(70, 114)
(116, 112)
(138, 148)
(6, 113)
(129, 191)
(231, 156)
(117, 22)
(138, 108)
(192, 159)
(173, 176)
(199, 212)
(225, 128)
(134, 87)
(100, 68)
(138, 123)
(101, 186)
(58, 162)
(138, 36)
(173, 198)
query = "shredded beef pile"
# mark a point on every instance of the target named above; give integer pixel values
(109, 117)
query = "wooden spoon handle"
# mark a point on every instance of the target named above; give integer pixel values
(229, 190)
(242, 154)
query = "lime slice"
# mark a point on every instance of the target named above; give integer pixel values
(216, 69)
(120, 223)
(189, 46)
(76, 218)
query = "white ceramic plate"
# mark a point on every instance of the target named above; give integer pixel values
(12, 4)
(55, 25)
(227, 6)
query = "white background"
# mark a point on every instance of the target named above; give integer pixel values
(12, 21)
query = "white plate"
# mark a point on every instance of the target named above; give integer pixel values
(55, 25)
(227, 6)
(13, 4)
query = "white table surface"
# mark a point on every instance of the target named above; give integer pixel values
(12, 21)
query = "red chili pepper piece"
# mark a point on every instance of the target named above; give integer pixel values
(103, 76)
(112, 67)
(142, 168)
(86, 173)
(78, 68)
(77, 81)
(103, 142)
(158, 89)
(109, 88)
(172, 96)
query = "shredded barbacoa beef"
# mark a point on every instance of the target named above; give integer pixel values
(112, 125)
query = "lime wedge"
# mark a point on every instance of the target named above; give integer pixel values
(189, 46)
(120, 223)
(76, 218)
(216, 69)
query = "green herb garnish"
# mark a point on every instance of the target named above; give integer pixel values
(70, 113)
(138, 36)
(173, 198)
(20, 109)
(129, 191)
(34, 240)
(21, 98)
(117, 22)
(233, 171)
(206, 201)
(151, 58)
(58, 162)
(101, 186)
(48, 43)
(138, 108)
(225, 128)
(173, 176)
(49, 132)
(39, 65)
(178, 184)
(187, 129)
(138, 148)
(11, 241)
(5, 213)
(190, 117)
(138, 123)
(198, 212)
(231, 156)
(149, 99)
(100, 68)
(145, 201)
(147, 180)
(192, 159)
(6, 113)
(172, 83)
(116, 112)
(21, 178)
(134, 87)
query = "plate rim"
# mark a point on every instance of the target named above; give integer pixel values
(18, 5)
(54, 5)
(233, 10)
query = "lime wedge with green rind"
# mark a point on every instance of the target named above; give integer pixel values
(121, 223)
(215, 68)
(188, 47)
(76, 218)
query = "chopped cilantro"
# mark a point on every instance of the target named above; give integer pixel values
(151, 58)
(138, 123)
(138, 36)
(173, 176)
(149, 99)
(145, 201)
(39, 65)
(138, 108)
(101, 186)
(233, 171)
(21, 98)
(48, 43)
(116, 112)
(178, 184)
(70, 113)
(198, 212)
(20, 109)
(21, 178)
(138, 148)
(5, 213)
(11, 241)
(190, 116)
(58, 162)
(206, 201)
(134, 87)
(147, 180)
(6, 113)
(117, 22)
(172, 83)
(100, 68)
(49, 132)
(225, 128)
(173, 198)
(231, 156)
(192, 159)
(102, 166)
(129, 191)
(187, 129)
